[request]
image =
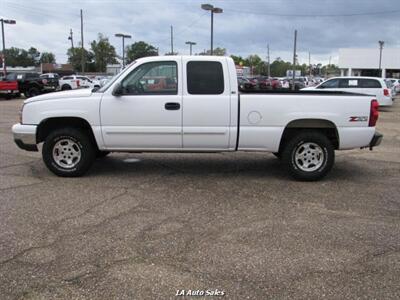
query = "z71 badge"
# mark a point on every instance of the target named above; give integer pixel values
(358, 119)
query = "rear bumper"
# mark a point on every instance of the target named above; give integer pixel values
(25, 136)
(376, 140)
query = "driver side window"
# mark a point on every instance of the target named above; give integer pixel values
(154, 78)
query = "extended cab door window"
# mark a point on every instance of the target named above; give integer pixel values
(205, 78)
(154, 78)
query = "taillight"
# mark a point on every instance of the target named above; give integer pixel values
(44, 81)
(77, 83)
(374, 113)
(386, 92)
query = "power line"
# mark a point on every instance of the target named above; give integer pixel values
(313, 15)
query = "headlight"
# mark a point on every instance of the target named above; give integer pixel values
(20, 113)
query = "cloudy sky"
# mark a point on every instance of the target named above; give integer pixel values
(245, 27)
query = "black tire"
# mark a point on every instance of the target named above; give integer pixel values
(33, 91)
(66, 87)
(321, 159)
(86, 149)
(101, 154)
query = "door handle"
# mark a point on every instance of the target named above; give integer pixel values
(172, 106)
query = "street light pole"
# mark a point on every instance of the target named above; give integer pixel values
(123, 36)
(294, 60)
(213, 10)
(190, 45)
(11, 22)
(381, 43)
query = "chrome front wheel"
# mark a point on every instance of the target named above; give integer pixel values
(66, 153)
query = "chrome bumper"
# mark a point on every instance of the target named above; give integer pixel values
(25, 136)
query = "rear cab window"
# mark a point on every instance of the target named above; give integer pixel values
(205, 78)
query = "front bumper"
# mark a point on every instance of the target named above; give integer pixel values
(376, 140)
(25, 136)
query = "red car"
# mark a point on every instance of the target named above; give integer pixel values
(265, 83)
(9, 88)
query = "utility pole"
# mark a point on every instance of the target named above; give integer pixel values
(269, 64)
(190, 45)
(309, 61)
(381, 43)
(83, 49)
(11, 22)
(172, 40)
(71, 38)
(294, 59)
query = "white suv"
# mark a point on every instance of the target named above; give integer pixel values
(361, 85)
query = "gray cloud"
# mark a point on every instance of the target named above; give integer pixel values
(244, 28)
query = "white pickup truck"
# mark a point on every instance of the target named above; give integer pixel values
(192, 104)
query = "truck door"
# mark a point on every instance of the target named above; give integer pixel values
(206, 104)
(145, 116)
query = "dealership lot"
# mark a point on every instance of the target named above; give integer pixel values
(146, 225)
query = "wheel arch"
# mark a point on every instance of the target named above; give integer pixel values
(50, 124)
(325, 126)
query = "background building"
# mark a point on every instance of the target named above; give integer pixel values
(365, 62)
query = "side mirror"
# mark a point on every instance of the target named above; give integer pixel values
(118, 90)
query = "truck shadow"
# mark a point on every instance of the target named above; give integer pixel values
(204, 165)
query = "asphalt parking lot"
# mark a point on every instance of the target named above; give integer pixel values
(142, 226)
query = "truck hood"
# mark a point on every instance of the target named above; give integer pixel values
(80, 93)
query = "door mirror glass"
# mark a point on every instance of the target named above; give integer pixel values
(118, 90)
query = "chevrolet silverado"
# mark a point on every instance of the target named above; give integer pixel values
(196, 107)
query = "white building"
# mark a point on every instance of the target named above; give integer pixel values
(365, 62)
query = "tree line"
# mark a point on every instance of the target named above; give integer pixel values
(101, 53)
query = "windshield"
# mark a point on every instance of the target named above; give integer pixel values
(113, 79)
(11, 76)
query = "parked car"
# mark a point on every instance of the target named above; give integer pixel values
(30, 84)
(246, 85)
(298, 84)
(304, 129)
(9, 88)
(396, 84)
(73, 82)
(362, 85)
(391, 88)
(51, 81)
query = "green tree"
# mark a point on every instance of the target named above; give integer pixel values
(138, 50)
(237, 59)
(16, 57)
(103, 53)
(75, 59)
(47, 57)
(330, 70)
(217, 52)
(279, 67)
(34, 55)
(256, 64)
